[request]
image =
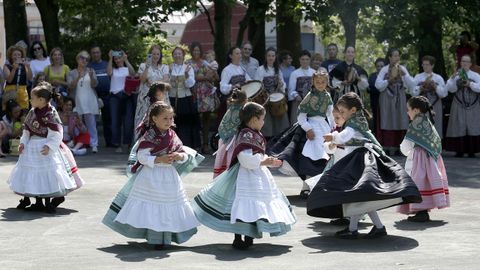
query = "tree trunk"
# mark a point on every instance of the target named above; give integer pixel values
(288, 29)
(223, 15)
(49, 13)
(256, 28)
(16, 27)
(429, 34)
(349, 19)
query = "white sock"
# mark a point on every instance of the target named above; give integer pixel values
(354, 223)
(375, 219)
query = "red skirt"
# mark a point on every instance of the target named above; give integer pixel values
(82, 138)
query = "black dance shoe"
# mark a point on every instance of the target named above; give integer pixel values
(420, 216)
(159, 247)
(36, 207)
(376, 233)
(340, 221)
(57, 201)
(239, 244)
(304, 194)
(347, 234)
(248, 241)
(23, 203)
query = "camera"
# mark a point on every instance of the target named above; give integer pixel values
(117, 53)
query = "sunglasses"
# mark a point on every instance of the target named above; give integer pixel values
(83, 58)
(37, 48)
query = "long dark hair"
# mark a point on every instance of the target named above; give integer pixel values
(352, 100)
(31, 52)
(275, 63)
(248, 111)
(11, 104)
(423, 105)
(157, 86)
(229, 54)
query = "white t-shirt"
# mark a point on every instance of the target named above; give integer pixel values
(39, 65)
(117, 82)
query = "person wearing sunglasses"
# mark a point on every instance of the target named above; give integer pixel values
(39, 57)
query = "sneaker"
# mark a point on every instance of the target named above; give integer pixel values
(119, 150)
(376, 233)
(94, 149)
(347, 234)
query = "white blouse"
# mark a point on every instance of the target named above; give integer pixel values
(439, 84)
(474, 82)
(261, 73)
(292, 82)
(381, 83)
(179, 70)
(227, 73)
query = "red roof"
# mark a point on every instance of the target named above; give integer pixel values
(198, 29)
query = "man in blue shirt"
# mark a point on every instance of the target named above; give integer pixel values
(103, 90)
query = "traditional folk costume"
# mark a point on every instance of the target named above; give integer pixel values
(245, 199)
(363, 181)
(226, 131)
(153, 204)
(355, 76)
(432, 86)
(273, 83)
(393, 120)
(37, 175)
(231, 75)
(423, 147)
(463, 130)
(300, 156)
(299, 84)
(181, 99)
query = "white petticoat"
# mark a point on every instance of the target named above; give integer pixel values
(257, 197)
(158, 202)
(36, 174)
(313, 149)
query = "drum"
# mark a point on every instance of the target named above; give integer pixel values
(277, 104)
(255, 92)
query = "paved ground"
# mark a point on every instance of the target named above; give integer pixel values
(75, 238)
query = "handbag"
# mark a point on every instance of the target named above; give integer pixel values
(131, 84)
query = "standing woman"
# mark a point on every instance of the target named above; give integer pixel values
(182, 79)
(271, 76)
(392, 82)
(56, 73)
(233, 76)
(348, 76)
(463, 131)
(151, 71)
(82, 82)
(299, 84)
(432, 86)
(17, 72)
(39, 57)
(203, 90)
(122, 104)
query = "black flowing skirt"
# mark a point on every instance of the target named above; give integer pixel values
(288, 147)
(361, 176)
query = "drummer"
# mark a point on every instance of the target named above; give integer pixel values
(271, 77)
(299, 84)
(233, 76)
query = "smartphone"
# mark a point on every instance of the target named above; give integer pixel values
(117, 53)
(149, 59)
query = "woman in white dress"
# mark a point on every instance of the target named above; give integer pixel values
(82, 82)
(151, 71)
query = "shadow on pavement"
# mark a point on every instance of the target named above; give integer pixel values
(14, 214)
(389, 243)
(136, 252)
(297, 201)
(326, 227)
(406, 225)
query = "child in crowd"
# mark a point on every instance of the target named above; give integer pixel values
(423, 147)
(153, 204)
(45, 167)
(75, 133)
(39, 77)
(245, 199)
(315, 119)
(210, 58)
(363, 181)
(10, 125)
(226, 131)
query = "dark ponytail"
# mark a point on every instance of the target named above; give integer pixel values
(248, 111)
(352, 100)
(423, 105)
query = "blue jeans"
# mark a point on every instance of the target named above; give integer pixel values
(122, 109)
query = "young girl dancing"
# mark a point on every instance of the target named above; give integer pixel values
(363, 181)
(423, 147)
(45, 167)
(245, 199)
(226, 131)
(153, 204)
